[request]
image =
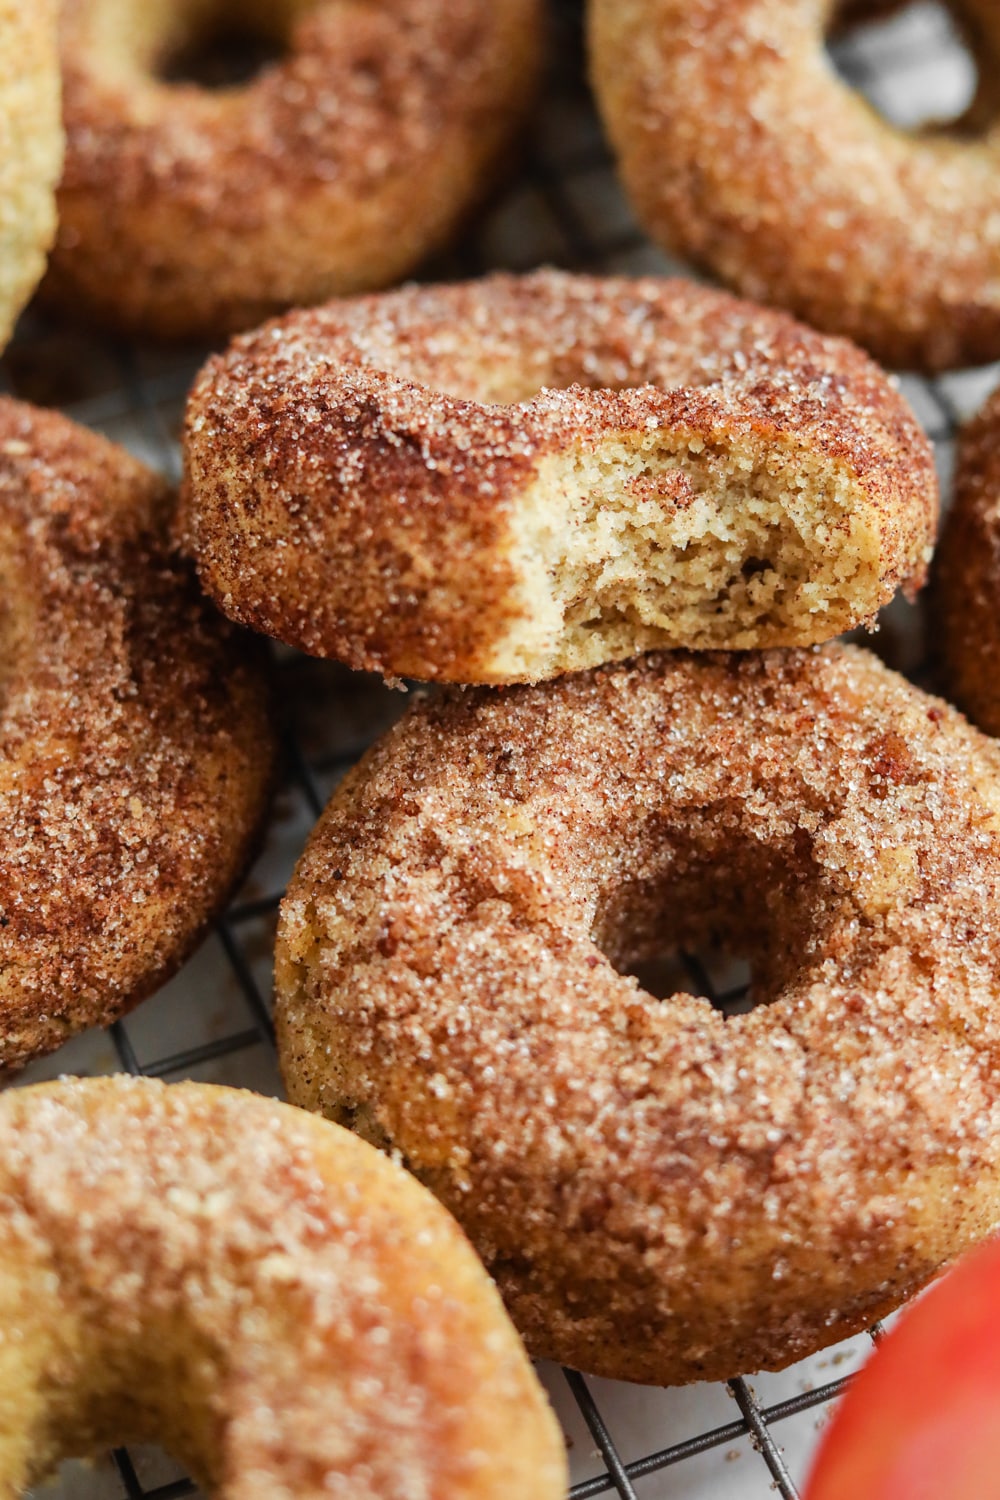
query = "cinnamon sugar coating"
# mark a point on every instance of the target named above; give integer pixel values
(664, 1193)
(966, 603)
(285, 1309)
(506, 479)
(31, 148)
(185, 212)
(136, 753)
(742, 150)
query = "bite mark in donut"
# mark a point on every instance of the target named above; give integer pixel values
(508, 479)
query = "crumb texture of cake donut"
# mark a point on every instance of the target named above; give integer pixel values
(136, 753)
(31, 147)
(503, 480)
(742, 150)
(966, 595)
(662, 1192)
(264, 1294)
(186, 212)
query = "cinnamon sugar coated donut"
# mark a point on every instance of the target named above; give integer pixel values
(664, 1193)
(263, 1293)
(967, 574)
(185, 212)
(506, 479)
(31, 148)
(742, 150)
(136, 752)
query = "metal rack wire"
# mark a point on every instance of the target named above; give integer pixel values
(562, 206)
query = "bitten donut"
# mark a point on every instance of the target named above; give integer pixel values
(507, 479)
(742, 150)
(136, 752)
(265, 1294)
(31, 148)
(664, 1193)
(185, 212)
(966, 601)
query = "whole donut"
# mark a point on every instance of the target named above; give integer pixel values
(136, 753)
(967, 574)
(185, 212)
(664, 1193)
(742, 150)
(31, 147)
(292, 1314)
(510, 478)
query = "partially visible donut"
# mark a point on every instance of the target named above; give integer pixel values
(186, 213)
(506, 479)
(31, 147)
(966, 599)
(290, 1313)
(136, 752)
(742, 150)
(664, 1193)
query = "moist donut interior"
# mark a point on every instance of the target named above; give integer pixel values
(661, 539)
(223, 58)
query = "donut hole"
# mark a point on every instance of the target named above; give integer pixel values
(722, 978)
(922, 66)
(714, 921)
(220, 45)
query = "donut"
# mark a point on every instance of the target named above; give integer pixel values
(742, 150)
(288, 1311)
(136, 753)
(186, 212)
(663, 1192)
(966, 591)
(503, 480)
(30, 150)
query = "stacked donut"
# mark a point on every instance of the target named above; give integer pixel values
(622, 522)
(603, 468)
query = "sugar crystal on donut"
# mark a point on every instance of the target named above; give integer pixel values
(136, 748)
(284, 1309)
(665, 1193)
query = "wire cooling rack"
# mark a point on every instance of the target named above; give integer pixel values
(212, 1022)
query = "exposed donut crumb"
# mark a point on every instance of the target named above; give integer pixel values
(507, 479)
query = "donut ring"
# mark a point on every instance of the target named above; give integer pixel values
(742, 150)
(31, 149)
(292, 1314)
(967, 573)
(136, 754)
(393, 482)
(663, 1193)
(355, 157)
